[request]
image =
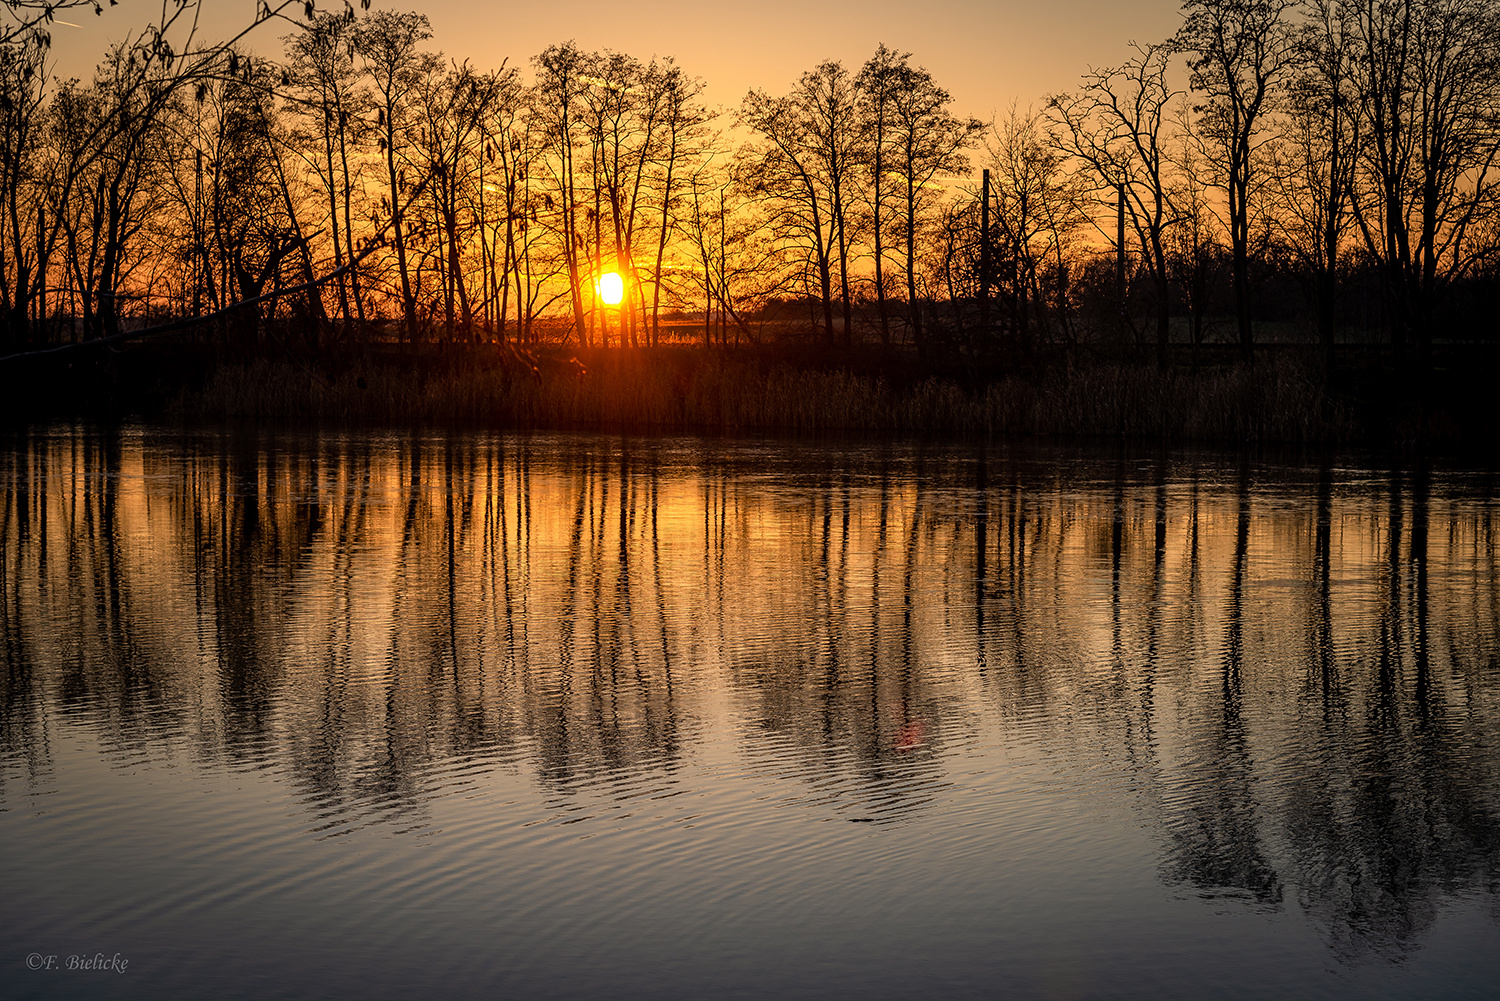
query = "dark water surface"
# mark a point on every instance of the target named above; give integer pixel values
(373, 715)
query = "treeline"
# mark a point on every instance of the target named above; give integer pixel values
(1272, 161)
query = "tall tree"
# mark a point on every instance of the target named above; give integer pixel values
(807, 162)
(562, 76)
(105, 140)
(913, 139)
(1118, 126)
(1315, 158)
(498, 196)
(252, 224)
(625, 120)
(878, 80)
(683, 134)
(1037, 211)
(1195, 251)
(1238, 51)
(388, 46)
(23, 250)
(1428, 78)
(451, 108)
(111, 134)
(332, 109)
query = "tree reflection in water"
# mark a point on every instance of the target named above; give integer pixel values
(1293, 667)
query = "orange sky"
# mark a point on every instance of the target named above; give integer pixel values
(987, 53)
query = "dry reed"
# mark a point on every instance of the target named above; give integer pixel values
(1277, 400)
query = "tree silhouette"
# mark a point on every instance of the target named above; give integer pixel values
(1238, 52)
(1119, 126)
(915, 139)
(386, 43)
(1428, 80)
(560, 85)
(332, 113)
(1314, 172)
(363, 179)
(806, 165)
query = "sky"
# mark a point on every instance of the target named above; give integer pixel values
(988, 54)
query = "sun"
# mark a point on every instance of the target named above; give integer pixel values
(611, 288)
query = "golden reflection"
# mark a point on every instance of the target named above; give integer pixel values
(1296, 661)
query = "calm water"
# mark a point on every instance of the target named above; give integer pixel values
(382, 715)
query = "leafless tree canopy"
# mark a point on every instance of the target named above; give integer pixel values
(362, 187)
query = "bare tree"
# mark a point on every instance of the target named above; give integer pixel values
(806, 166)
(387, 45)
(100, 139)
(23, 247)
(1037, 211)
(113, 174)
(1238, 51)
(332, 109)
(1194, 248)
(638, 117)
(877, 81)
(742, 264)
(913, 139)
(1315, 157)
(252, 224)
(1118, 127)
(683, 119)
(497, 195)
(1428, 78)
(562, 72)
(452, 107)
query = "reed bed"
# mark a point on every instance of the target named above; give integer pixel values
(1278, 400)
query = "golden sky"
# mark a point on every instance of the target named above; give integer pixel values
(987, 53)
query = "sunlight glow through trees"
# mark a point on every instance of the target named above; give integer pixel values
(366, 188)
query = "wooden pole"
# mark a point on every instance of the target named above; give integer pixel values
(1120, 255)
(984, 256)
(723, 278)
(40, 330)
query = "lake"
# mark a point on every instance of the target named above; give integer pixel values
(292, 713)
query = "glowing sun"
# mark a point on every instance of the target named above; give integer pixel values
(611, 288)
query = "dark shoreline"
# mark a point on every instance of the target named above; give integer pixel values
(1374, 400)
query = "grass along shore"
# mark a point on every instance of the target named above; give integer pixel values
(1281, 399)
